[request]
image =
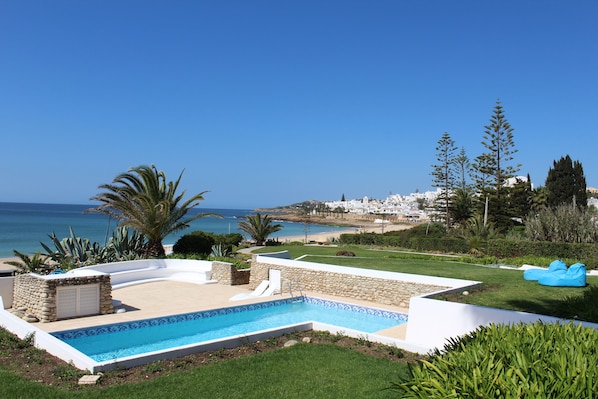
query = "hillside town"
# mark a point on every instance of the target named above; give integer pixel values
(411, 208)
(400, 208)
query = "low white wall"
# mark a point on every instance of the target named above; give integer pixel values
(204, 265)
(7, 291)
(44, 341)
(127, 273)
(432, 322)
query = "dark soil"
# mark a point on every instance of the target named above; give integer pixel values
(20, 357)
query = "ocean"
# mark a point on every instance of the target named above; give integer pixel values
(23, 226)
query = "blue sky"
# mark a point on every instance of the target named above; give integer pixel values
(268, 103)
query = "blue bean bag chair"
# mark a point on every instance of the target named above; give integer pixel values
(557, 267)
(575, 277)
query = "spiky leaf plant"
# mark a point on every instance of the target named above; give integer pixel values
(535, 360)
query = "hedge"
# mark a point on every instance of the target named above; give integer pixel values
(499, 248)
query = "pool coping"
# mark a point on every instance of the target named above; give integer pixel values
(227, 310)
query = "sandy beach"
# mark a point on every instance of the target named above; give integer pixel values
(327, 237)
(354, 224)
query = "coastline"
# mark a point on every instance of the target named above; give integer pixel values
(353, 223)
(329, 236)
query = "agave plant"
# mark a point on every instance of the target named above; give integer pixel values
(125, 246)
(74, 251)
(219, 251)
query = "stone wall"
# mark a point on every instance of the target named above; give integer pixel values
(36, 295)
(227, 274)
(380, 290)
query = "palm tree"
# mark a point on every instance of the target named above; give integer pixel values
(143, 200)
(461, 206)
(477, 233)
(258, 227)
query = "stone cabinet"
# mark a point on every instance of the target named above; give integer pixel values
(61, 296)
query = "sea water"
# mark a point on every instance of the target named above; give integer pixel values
(134, 338)
(23, 226)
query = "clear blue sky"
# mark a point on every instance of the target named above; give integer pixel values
(267, 103)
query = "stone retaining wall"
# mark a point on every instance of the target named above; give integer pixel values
(36, 294)
(227, 274)
(380, 290)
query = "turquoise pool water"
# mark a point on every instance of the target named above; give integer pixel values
(114, 341)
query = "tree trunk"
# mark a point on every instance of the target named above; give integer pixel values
(155, 249)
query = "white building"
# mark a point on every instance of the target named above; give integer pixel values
(403, 206)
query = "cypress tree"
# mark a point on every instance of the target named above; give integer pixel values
(566, 183)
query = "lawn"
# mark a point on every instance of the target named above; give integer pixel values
(303, 370)
(503, 288)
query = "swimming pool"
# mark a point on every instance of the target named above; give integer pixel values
(121, 340)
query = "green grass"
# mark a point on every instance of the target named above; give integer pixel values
(305, 370)
(505, 289)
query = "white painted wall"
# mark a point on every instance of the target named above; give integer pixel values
(432, 322)
(127, 273)
(149, 264)
(7, 290)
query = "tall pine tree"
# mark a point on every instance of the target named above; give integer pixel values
(443, 174)
(463, 169)
(494, 167)
(461, 206)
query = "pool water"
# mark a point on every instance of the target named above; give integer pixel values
(120, 340)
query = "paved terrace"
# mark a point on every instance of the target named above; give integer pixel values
(165, 298)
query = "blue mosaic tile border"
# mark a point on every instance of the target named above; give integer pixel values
(358, 309)
(133, 325)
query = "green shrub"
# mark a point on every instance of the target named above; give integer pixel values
(294, 243)
(361, 239)
(510, 361)
(564, 223)
(432, 243)
(188, 256)
(441, 244)
(228, 241)
(197, 242)
(201, 242)
(584, 253)
(67, 372)
(271, 242)
(429, 230)
(240, 264)
(372, 239)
